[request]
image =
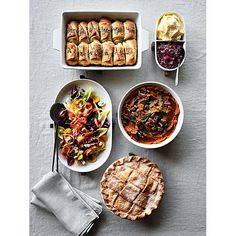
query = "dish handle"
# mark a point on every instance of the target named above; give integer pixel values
(56, 39)
(145, 40)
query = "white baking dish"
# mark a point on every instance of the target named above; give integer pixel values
(59, 41)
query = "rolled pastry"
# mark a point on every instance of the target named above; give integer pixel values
(130, 52)
(105, 30)
(95, 52)
(83, 49)
(107, 53)
(130, 30)
(83, 32)
(72, 32)
(119, 55)
(72, 54)
(117, 32)
(93, 31)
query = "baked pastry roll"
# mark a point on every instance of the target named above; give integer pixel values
(105, 29)
(130, 52)
(72, 54)
(119, 55)
(117, 31)
(72, 32)
(107, 53)
(83, 32)
(95, 52)
(130, 30)
(93, 31)
(83, 50)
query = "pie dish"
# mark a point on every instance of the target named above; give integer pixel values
(132, 187)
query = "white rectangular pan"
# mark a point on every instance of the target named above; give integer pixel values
(59, 41)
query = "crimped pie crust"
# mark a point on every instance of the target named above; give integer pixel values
(132, 187)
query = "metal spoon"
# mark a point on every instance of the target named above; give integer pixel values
(177, 76)
(58, 114)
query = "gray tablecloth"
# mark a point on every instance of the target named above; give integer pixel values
(182, 162)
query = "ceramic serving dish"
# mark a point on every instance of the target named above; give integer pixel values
(104, 96)
(59, 41)
(177, 128)
(157, 41)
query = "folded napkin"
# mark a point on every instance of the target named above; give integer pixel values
(74, 209)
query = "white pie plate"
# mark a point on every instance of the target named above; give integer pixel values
(177, 128)
(104, 96)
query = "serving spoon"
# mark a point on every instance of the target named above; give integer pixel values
(177, 76)
(58, 114)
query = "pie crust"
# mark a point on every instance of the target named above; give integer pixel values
(132, 187)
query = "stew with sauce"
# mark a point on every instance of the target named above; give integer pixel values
(150, 114)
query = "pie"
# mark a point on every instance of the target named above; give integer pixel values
(132, 187)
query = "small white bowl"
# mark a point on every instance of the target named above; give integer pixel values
(177, 128)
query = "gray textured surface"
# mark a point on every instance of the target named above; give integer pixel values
(182, 162)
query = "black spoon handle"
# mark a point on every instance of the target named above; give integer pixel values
(57, 150)
(55, 147)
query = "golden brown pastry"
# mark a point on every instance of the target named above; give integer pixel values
(72, 54)
(130, 30)
(72, 32)
(119, 55)
(105, 30)
(83, 32)
(132, 187)
(83, 50)
(130, 52)
(93, 31)
(117, 31)
(107, 53)
(95, 52)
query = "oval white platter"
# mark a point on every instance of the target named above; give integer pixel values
(104, 96)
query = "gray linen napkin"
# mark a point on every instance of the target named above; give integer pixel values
(74, 209)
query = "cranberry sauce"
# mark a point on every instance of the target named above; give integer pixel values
(170, 54)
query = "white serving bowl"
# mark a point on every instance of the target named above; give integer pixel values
(177, 128)
(104, 96)
(157, 41)
(59, 41)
